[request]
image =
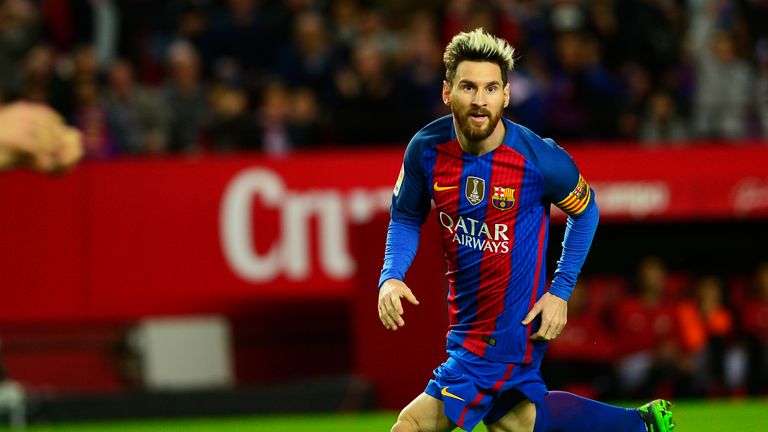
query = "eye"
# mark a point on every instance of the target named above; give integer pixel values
(492, 89)
(466, 87)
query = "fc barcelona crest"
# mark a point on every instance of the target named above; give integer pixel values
(503, 197)
(474, 190)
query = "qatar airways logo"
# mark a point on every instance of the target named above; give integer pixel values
(290, 254)
(476, 235)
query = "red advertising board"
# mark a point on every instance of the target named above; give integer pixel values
(144, 237)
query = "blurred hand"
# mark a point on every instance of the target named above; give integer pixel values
(554, 315)
(390, 306)
(35, 135)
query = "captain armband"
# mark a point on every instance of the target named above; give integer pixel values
(578, 199)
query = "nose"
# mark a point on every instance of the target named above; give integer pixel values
(478, 99)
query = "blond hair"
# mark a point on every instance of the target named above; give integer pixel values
(478, 45)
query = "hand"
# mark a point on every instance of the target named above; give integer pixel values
(554, 315)
(35, 135)
(390, 307)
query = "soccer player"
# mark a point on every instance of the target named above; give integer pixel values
(492, 182)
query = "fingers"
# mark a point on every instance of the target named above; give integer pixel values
(549, 330)
(391, 306)
(408, 294)
(385, 319)
(397, 305)
(535, 310)
(544, 333)
(71, 150)
(390, 317)
(390, 311)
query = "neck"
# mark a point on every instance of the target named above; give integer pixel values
(479, 148)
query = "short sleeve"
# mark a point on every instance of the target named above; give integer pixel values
(410, 198)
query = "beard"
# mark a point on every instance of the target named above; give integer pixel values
(471, 129)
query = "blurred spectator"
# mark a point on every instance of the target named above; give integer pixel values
(661, 123)
(634, 110)
(762, 83)
(420, 82)
(606, 28)
(289, 119)
(583, 98)
(345, 16)
(584, 352)
(366, 100)
(19, 28)
(309, 59)
(755, 323)
(92, 119)
(82, 67)
(306, 122)
(646, 327)
(586, 70)
(98, 23)
(724, 82)
(373, 28)
(465, 15)
(232, 126)
(651, 32)
(38, 74)
(186, 99)
(136, 118)
(706, 326)
(192, 23)
(242, 30)
(274, 115)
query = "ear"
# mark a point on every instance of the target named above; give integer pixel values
(506, 95)
(446, 93)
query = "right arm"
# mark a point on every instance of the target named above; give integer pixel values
(402, 243)
(410, 206)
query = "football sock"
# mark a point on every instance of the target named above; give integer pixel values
(566, 412)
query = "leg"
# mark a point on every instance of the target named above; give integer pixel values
(567, 412)
(423, 414)
(521, 418)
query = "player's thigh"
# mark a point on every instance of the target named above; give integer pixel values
(520, 418)
(426, 414)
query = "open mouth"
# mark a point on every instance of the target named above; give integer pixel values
(478, 118)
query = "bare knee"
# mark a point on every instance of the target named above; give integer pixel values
(423, 414)
(521, 418)
(405, 424)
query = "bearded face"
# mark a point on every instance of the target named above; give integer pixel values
(477, 98)
(476, 123)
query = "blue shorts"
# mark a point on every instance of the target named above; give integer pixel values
(474, 389)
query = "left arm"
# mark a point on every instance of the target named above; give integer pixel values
(579, 231)
(571, 193)
(553, 305)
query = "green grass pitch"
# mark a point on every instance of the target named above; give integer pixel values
(691, 416)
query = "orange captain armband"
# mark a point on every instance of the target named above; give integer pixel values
(578, 199)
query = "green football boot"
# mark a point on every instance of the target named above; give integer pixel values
(657, 416)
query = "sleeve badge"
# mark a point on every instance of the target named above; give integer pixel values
(399, 181)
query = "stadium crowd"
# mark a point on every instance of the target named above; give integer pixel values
(674, 334)
(182, 76)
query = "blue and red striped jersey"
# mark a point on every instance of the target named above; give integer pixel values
(494, 212)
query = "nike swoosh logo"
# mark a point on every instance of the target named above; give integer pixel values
(445, 392)
(443, 188)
